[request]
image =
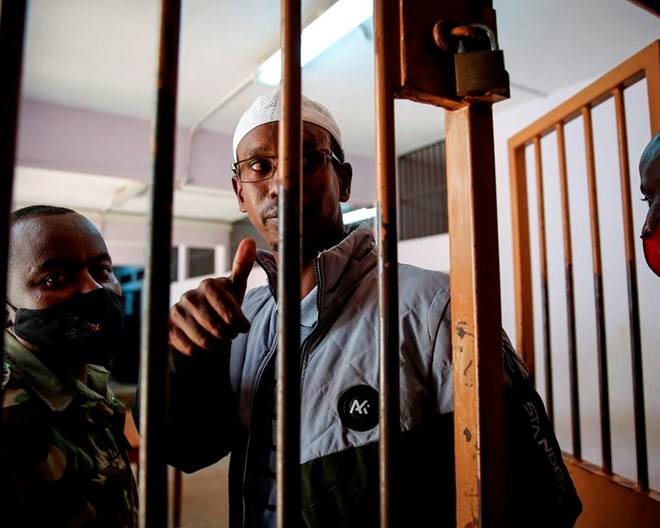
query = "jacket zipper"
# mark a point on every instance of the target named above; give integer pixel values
(303, 347)
(271, 353)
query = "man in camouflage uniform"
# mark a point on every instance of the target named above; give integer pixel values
(63, 460)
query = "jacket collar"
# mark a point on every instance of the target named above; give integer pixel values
(55, 390)
(338, 268)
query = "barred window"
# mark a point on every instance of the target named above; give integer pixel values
(174, 264)
(423, 192)
(201, 261)
(197, 262)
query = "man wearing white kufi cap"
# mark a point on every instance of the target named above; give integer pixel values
(224, 349)
(268, 108)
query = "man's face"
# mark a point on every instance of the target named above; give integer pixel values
(54, 258)
(322, 191)
(649, 171)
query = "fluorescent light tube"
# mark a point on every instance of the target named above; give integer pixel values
(357, 215)
(333, 25)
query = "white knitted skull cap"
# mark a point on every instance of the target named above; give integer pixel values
(267, 109)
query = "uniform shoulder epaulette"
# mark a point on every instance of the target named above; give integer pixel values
(13, 393)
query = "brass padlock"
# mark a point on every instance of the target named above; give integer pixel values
(480, 75)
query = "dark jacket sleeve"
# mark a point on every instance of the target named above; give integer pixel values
(201, 410)
(540, 491)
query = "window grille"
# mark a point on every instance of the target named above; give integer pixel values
(423, 192)
(201, 261)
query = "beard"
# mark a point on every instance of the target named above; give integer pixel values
(269, 217)
(316, 237)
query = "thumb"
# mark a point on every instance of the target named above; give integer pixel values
(244, 258)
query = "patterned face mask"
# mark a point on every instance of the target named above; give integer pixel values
(84, 329)
(651, 247)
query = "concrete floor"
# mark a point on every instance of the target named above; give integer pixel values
(204, 497)
(203, 493)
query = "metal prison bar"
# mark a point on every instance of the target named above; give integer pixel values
(153, 485)
(289, 272)
(12, 31)
(474, 259)
(570, 290)
(388, 292)
(645, 64)
(477, 330)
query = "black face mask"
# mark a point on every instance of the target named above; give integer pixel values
(84, 329)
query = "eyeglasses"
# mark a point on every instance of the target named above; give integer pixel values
(262, 168)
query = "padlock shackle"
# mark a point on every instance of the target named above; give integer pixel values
(492, 37)
(468, 31)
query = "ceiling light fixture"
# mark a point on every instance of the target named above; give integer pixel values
(334, 24)
(359, 215)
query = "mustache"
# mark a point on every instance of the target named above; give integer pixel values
(272, 212)
(269, 213)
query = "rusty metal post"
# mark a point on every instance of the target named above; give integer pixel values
(388, 287)
(570, 292)
(12, 36)
(629, 233)
(289, 274)
(653, 85)
(522, 271)
(599, 293)
(476, 318)
(545, 289)
(153, 375)
(428, 75)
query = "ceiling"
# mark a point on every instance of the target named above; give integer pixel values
(101, 55)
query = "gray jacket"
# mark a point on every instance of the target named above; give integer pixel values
(215, 398)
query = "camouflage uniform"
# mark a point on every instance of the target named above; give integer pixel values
(63, 458)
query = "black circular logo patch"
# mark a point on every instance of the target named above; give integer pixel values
(358, 407)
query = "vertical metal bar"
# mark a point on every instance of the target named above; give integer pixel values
(432, 175)
(177, 486)
(153, 468)
(288, 288)
(633, 295)
(543, 264)
(443, 186)
(12, 37)
(599, 295)
(404, 165)
(388, 288)
(419, 193)
(429, 199)
(424, 195)
(411, 164)
(407, 179)
(570, 292)
(416, 194)
(522, 275)
(652, 71)
(476, 320)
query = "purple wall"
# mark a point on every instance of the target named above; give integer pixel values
(76, 140)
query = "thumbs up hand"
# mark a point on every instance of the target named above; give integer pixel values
(211, 313)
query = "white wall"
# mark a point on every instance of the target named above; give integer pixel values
(507, 123)
(431, 252)
(614, 275)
